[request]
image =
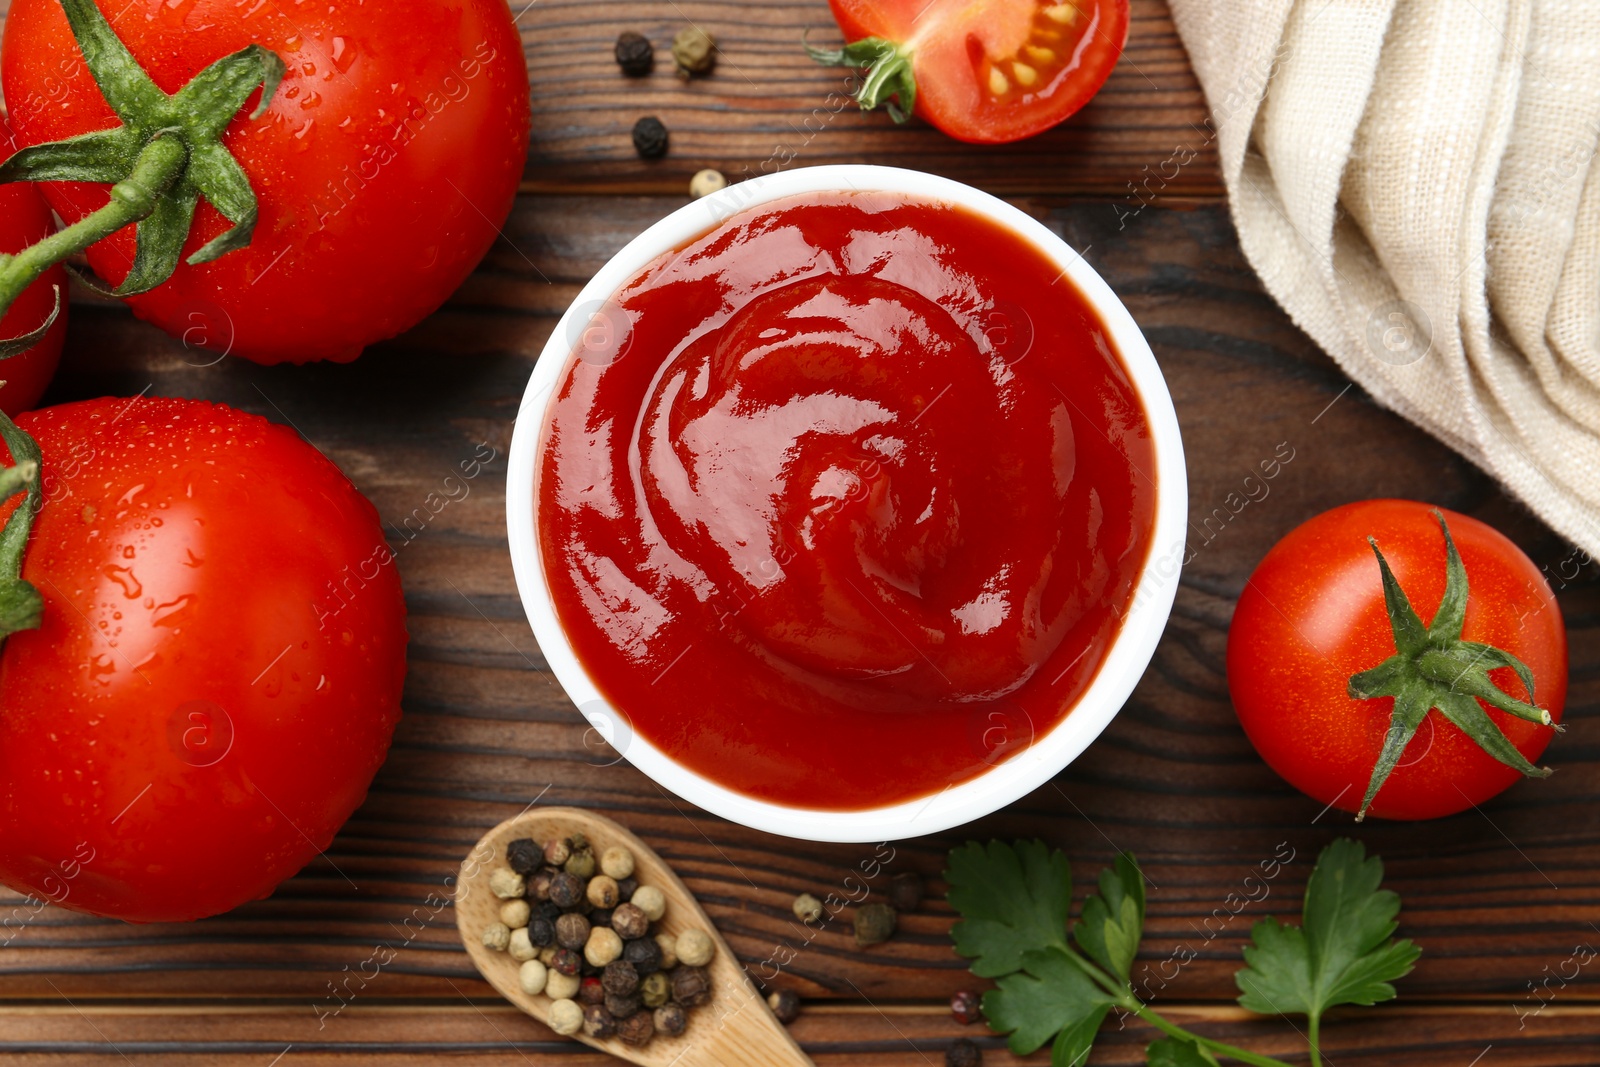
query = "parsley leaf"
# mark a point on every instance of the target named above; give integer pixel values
(1172, 1052)
(1051, 994)
(1344, 951)
(1013, 900)
(1113, 919)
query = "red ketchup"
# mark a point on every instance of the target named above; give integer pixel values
(843, 502)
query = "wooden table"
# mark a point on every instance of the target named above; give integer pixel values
(1500, 898)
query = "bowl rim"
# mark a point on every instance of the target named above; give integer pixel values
(1008, 780)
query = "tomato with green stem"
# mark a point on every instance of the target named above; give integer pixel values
(205, 656)
(1394, 658)
(287, 182)
(987, 72)
(25, 220)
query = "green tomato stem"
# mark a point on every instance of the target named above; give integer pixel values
(132, 200)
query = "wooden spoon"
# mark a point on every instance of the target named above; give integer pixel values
(735, 1029)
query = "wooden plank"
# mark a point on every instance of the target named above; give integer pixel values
(1498, 898)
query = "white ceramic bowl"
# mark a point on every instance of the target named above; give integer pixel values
(1006, 781)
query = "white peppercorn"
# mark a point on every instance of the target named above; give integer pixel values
(603, 946)
(616, 862)
(496, 936)
(557, 852)
(669, 951)
(566, 1017)
(520, 947)
(602, 891)
(706, 182)
(515, 913)
(547, 954)
(807, 908)
(695, 947)
(651, 901)
(506, 883)
(532, 977)
(558, 986)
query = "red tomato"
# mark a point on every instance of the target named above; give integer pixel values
(1312, 614)
(219, 668)
(24, 219)
(384, 166)
(996, 70)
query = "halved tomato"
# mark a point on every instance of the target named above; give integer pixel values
(986, 71)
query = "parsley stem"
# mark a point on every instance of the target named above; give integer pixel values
(1233, 1052)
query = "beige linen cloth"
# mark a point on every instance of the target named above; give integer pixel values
(1416, 183)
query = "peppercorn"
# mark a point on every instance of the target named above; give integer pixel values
(807, 908)
(556, 852)
(874, 923)
(538, 885)
(695, 947)
(532, 976)
(524, 855)
(506, 883)
(634, 54)
(519, 947)
(629, 922)
(616, 862)
(691, 986)
(515, 913)
(694, 50)
(601, 917)
(669, 951)
(590, 991)
(623, 1006)
(643, 953)
(626, 888)
(602, 891)
(588, 970)
(963, 1053)
(565, 1017)
(785, 1004)
(905, 891)
(572, 931)
(496, 936)
(966, 1007)
(670, 1019)
(547, 911)
(581, 863)
(637, 1029)
(541, 932)
(650, 137)
(566, 962)
(558, 986)
(603, 947)
(655, 989)
(705, 182)
(620, 978)
(547, 955)
(566, 891)
(597, 1022)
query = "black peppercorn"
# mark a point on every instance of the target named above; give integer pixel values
(650, 137)
(963, 1053)
(589, 970)
(691, 986)
(625, 889)
(905, 891)
(629, 921)
(541, 933)
(874, 923)
(572, 931)
(620, 979)
(637, 1029)
(546, 910)
(597, 1022)
(965, 1007)
(644, 953)
(670, 1019)
(590, 991)
(634, 54)
(623, 1006)
(566, 891)
(567, 962)
(785, 1004)
(600, 917)
(524, 856)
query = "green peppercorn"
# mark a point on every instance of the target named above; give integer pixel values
(581, 863)
(694, 50)
(874, 923)
(650, 137)
(655, 989)
(634, 54)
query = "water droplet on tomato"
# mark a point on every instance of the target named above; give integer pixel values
(344, 54)
(123, 576)
(311, 101)
(127, 551)
(163, 614)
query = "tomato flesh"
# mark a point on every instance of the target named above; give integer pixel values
(1312, 614)
(993, 71)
